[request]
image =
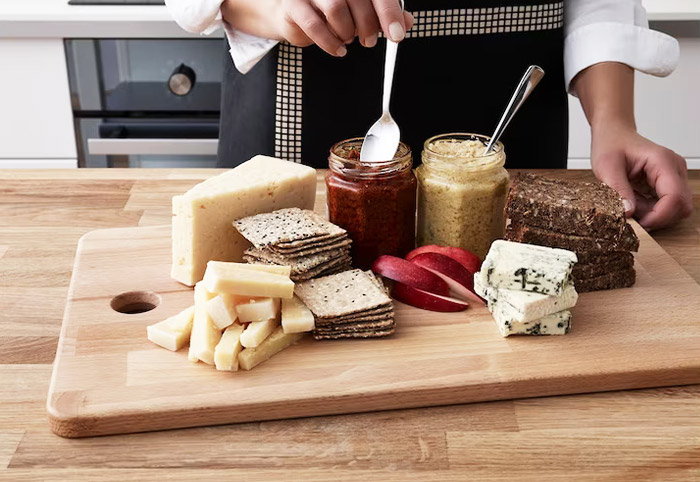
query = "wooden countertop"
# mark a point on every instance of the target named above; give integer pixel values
(642, 434)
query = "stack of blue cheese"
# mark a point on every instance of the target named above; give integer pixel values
(528, 288)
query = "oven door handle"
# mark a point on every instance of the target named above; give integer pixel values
(170, 147)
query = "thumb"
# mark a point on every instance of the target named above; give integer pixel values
(612, 170)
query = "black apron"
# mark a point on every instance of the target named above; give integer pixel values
(455, 72)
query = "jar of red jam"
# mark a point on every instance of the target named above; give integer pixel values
(375, 202)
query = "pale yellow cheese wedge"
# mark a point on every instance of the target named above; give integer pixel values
(222, 278)
(202, 217)
(222, 310)
(257, 331)
(273, 344)
(265, 268)
(172, 333)
(226, 352)
(205, 334)
(258, 310)
(296, 317)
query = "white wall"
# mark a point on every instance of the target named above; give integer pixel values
(667, 110)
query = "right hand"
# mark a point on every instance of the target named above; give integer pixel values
(331, 24)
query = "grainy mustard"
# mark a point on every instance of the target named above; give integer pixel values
(461, 192)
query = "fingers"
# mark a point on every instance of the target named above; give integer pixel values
(391, 18)
(643, 205)
(671, 186)
(338, 17)
(408, 20)
(314, 27)
(366, 21)
(612, 170)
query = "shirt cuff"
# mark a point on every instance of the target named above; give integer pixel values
(246, 50)
(642, 49)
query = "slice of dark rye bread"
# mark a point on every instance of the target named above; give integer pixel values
(603, 257)
(522, 233)
(610, 281)
(574, 207)
(585, 271)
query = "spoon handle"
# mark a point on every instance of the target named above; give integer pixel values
(389, 64)
(531, 78)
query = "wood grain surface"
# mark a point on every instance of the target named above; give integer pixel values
(640, 434)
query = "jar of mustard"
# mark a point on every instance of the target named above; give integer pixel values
(461, 192)
(374, 201)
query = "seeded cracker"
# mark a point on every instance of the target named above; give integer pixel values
(298, 265)
(284, 225)
(341, 294)
(358, 325)
(344, 243)
(366, 334)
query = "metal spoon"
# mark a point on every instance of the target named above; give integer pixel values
(532, 77)
(382, 139)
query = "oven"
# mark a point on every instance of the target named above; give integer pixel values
(146, 102)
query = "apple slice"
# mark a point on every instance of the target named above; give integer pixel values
(457, 277)
(466, 258)
(427, 301)
(398, 269)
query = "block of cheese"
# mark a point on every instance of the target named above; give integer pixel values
(172, 333)
(273, 344)
(228, 278)
(205, 334)
(553, 324)
(222, 310)
(202, 228)
(265, 268)
(296, 317)
(528, 267)
(523, 306)
(257, 331)
(258, 309)
(228, 348)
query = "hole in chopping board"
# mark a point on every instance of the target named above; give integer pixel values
(134, 302)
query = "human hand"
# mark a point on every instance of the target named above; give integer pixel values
(333, 23)
(652, 180)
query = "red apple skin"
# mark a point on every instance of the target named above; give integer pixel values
(466, 258)
(457, 277)
(408, 273)
(424, 300)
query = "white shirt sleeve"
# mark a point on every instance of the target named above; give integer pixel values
(614, 31)
(204, 17)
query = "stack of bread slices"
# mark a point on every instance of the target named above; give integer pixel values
(585, 217)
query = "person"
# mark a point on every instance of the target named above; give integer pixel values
(457, 64)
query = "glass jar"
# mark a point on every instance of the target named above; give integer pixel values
(461, 193)
(375, 202)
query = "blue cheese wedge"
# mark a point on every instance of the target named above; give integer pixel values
(554, 324)
(527, 267)
(523, 306)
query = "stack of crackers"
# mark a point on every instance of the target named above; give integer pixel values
(298, 238)
(352, 304)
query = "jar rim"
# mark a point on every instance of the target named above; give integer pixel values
(463, 136)
(354, 167)
(495, 158)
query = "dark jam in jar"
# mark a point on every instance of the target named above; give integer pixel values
(375, 202)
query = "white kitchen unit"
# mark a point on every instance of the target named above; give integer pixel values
(36, 108)
(36, 120)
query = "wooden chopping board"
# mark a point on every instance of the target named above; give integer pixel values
(108, 378)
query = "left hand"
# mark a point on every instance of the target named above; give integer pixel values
(652, 180)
